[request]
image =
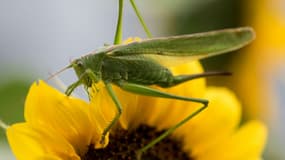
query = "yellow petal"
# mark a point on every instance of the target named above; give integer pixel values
(214, 124)
(30, 143)
(247, 143)
(70, 117)
(48, 157)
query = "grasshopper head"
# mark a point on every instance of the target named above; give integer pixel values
(79, 67)
(82, 69)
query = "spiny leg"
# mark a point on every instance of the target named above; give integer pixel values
(143, 90)
(71, 88)
(169, 131)
(74, 85)
(147, 91)
(141, 19)
(119, 109)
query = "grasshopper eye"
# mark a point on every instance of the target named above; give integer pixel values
(79, 63)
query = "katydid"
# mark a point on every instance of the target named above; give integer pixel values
(135, 66)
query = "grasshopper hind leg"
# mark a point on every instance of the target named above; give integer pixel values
(169, 131)
(147, 91)
(175, 80)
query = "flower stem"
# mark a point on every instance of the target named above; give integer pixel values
(118, 35)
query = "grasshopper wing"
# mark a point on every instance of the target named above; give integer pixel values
(171, 51)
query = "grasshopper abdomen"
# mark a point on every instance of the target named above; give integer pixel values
(135, 69)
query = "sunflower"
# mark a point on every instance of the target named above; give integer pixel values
(61, 127)
(56, 127)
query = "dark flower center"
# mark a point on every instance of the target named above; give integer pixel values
(124, 144)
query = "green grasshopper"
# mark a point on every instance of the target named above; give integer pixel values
(134, 67)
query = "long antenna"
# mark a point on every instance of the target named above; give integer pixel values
(56, 73)
(3, 125)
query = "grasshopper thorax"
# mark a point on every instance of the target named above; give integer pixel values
(88, 68)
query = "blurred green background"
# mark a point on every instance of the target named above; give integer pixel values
(12, 97)
(41, 37)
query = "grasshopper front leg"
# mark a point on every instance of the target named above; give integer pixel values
(74, 85)
(71, 88)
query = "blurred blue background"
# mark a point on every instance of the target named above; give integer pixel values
(41, 37)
